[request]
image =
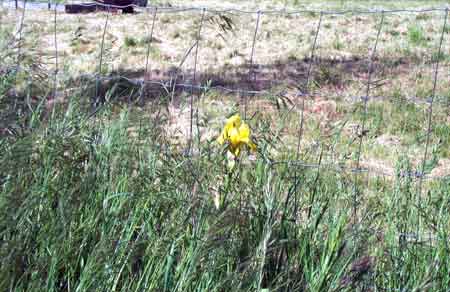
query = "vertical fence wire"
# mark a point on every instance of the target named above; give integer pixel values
(174, 75)
(1, 15)
(102, 45)
(199, 90)
(306, 86)
(362, 132)
(149, 47)
(301, 121)
(251, 72)
(19, 47)
(19, 42)
(430, 117)
(194, 80)
(55, 85)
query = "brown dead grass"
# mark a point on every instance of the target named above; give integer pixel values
(442, 169)
(344, 44)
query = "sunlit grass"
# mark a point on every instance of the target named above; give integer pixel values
(109, 203)
(114, 194)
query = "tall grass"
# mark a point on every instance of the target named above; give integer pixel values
(108, 203)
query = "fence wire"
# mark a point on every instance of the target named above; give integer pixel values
(177, 9)
(169, 85)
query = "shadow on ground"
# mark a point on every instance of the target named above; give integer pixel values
(326, 74)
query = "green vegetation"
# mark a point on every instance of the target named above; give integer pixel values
(416, 35)
(108, 202)
(130, 42)
(104, 193)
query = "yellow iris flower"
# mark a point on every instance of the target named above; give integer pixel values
(237, 134)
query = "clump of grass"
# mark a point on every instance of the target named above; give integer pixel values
(130, 41)
(423, 16)
(133, 214)
(440, 57)
(337, 43)
(176, 34)
(447, 29)
(311, 14)
(394, 32)
(327, 75)
(145, 40)
(416, 35)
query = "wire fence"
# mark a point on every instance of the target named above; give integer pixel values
(304, 90)
(195, 87)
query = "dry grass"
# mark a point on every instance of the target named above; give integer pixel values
(403, 68)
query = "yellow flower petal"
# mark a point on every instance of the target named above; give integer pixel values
(234, 137)
(237, 134)
(244, 131)
(233, 122)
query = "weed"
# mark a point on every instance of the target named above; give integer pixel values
(416, 35)
(447, 29)
(130, 42)
(440, 57)
(337, 44)
(327, 75)
(423, 16)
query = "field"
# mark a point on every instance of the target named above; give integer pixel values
(113, 179)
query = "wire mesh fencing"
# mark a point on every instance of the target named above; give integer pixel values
(300, 56)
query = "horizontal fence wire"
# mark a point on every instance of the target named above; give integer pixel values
(169, 85)
(344, 169)
(175, 9)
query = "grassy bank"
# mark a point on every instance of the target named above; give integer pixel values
(108, 202)
(105, 194)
